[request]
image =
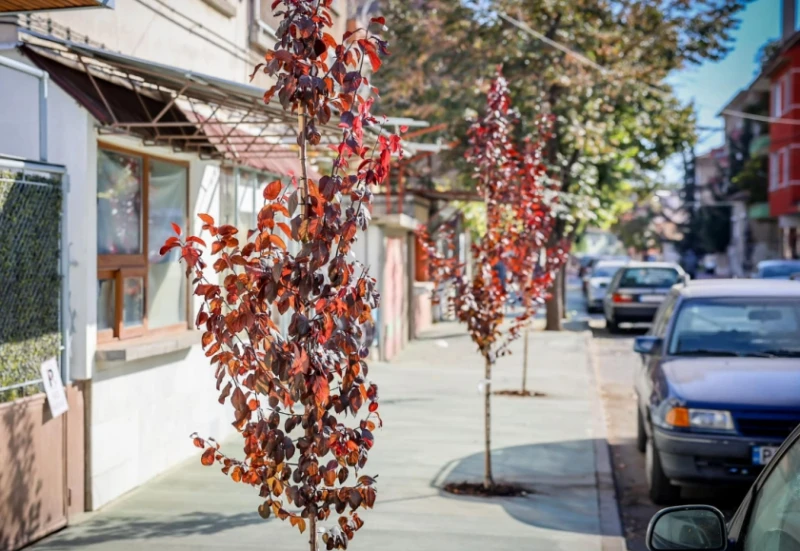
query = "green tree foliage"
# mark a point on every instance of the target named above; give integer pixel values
(613, 126)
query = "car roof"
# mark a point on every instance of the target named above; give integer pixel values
(601, 263)
(643, 264)
(712, 288)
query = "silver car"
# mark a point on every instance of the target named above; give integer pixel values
(597, 282)
(637, 290)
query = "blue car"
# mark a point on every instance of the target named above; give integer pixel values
(777, 269)
(719, 387)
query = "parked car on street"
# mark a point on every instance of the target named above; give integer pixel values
(637, 290)
(777, 269)
(598, 280)
(768, 518)
(719, 387)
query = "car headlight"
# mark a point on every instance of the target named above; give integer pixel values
(703, 419)
(710, 419)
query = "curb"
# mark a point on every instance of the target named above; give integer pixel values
(608, 506)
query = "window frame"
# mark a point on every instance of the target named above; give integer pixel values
(121, 266)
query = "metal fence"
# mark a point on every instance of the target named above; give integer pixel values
(33, 274)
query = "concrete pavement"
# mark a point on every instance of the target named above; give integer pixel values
(432, 412)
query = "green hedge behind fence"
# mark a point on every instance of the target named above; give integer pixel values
(30, 219)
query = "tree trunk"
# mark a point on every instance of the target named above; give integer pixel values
(555, 305)
(312, 537)
(525, 359)
(488, 481)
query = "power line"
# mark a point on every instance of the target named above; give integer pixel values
(760, 118)
(577, 55)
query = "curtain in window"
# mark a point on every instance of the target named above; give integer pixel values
(166, 287)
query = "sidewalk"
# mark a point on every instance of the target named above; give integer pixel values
(432, 412)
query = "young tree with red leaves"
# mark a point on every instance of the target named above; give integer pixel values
(293, 393)
(518, 214)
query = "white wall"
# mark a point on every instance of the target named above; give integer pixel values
(142, 414)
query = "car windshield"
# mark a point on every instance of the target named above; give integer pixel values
(649, 277)
(783, 270)
(738, 327)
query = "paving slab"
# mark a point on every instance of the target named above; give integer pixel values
(433, 434)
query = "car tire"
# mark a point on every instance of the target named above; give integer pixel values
(641, 433)
(660, 489)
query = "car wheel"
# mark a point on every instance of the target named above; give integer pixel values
(641, 433)
(661, 490)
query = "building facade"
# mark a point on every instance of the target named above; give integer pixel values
(149, 109)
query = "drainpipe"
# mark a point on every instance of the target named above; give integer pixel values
(43, 81)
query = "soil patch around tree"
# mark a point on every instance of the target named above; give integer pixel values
(519, 393)
(479, 490)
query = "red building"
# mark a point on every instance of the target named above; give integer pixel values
(783, 72)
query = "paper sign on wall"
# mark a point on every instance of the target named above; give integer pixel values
(54, 387)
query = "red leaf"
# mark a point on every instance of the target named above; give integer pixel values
(208, 457)
(206, 218)
(176, 228)
(379, 20)
(320, 388)
(217, 246)
(277, 241)
(195, 239)
(272, 190)
(199, 442)
(285, 229)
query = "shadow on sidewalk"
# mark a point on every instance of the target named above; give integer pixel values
(107, 529)
(559, 475)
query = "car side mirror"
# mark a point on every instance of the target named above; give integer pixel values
(688, 527)
(647, 345)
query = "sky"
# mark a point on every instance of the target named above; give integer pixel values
(712, 85)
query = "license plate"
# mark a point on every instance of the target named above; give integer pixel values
(651, 298)
(763, 454)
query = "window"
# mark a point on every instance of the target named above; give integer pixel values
(663, 316)
(263, 25)
(774, 522)
(648, 277)
(138, 290)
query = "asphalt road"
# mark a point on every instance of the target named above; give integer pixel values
(617, 365)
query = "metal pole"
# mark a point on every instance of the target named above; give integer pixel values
(66, 344)
(43, 81)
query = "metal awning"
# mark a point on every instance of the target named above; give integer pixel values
(164, 105)
(23, 6)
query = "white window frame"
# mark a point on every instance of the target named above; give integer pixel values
(262, 35)
(776, 103)
(773, 171)
(786, 179)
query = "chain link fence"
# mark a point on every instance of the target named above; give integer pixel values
(30, 274)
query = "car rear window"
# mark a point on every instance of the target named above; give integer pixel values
(605, 271)
(648, 277)
(737, 326)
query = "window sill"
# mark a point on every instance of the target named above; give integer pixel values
(146, 347)
(224, 7)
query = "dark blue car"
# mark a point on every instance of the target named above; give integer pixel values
(719, 388)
